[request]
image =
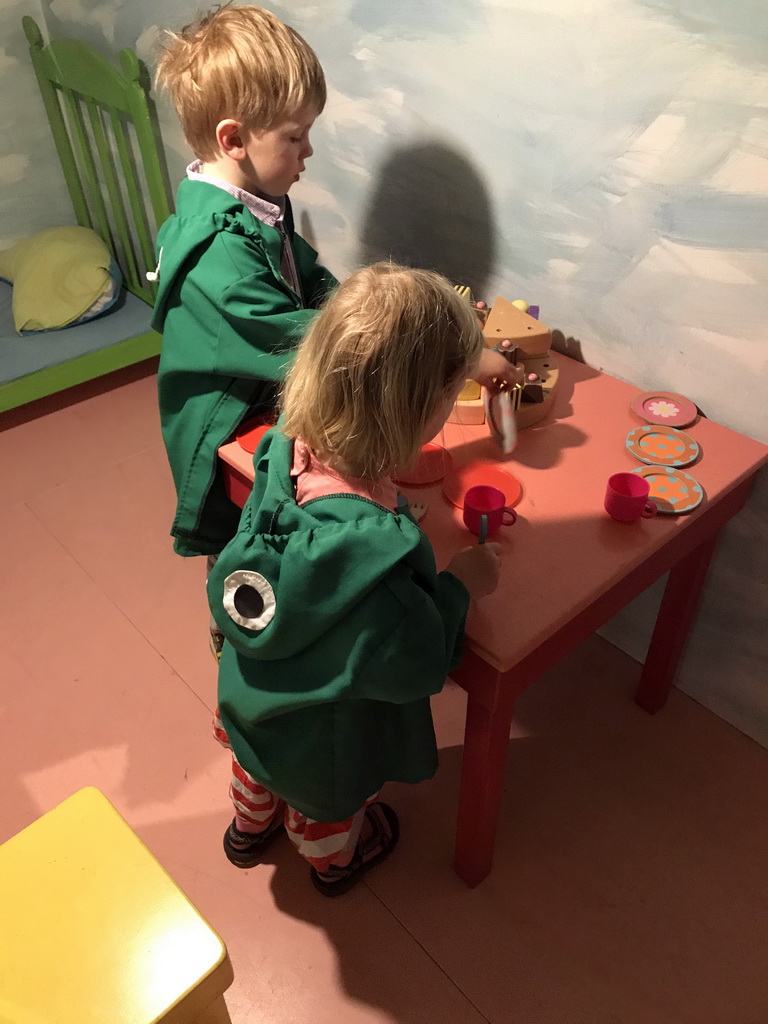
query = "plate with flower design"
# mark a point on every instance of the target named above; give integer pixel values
(662, 446)
(673, 490)
(664, 407)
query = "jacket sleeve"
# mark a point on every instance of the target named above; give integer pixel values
(452, 601)
(426, 643)
(252, 342)
(316, 280)
(259, 322)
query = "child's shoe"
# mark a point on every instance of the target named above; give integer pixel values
(385, 832)
(216, 643)
(245, 849)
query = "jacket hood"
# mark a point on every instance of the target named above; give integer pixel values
(202, 212)
(293, 573)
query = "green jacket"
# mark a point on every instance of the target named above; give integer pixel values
(230, 326)
(338, 629)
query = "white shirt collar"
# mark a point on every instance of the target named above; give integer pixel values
(268, 209)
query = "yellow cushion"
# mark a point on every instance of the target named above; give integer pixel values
(57, 276)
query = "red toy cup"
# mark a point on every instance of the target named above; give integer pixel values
(626, 498)
(485, 511)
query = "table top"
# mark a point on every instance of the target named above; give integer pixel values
(564, 551)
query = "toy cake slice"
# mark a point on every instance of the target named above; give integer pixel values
(508, 323)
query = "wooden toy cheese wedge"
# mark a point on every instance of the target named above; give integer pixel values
(507, 323)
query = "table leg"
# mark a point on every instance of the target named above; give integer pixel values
(486, 746)
(673, 622)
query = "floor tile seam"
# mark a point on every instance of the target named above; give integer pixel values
(121, 612)
(81, 477)
(429, 955)
(130, 456)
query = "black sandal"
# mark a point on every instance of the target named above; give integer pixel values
(385, 832)
(249, 855)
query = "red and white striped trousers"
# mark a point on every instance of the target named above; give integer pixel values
(320, 843)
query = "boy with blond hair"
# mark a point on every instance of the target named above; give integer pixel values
(237, 285)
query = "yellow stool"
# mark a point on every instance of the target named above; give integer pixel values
(94, 931)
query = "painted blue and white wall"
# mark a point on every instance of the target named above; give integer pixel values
(606, 159)
(31, 181)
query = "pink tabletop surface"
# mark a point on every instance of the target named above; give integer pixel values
(564, 550)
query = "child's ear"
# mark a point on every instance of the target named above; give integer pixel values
(230, 139)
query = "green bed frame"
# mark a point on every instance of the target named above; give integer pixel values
(107, 140)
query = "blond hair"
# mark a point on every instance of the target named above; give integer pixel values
(238, 62)
(375, 366)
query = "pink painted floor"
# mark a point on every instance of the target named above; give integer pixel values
(631, 875)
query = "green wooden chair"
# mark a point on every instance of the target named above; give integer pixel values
(106, 137)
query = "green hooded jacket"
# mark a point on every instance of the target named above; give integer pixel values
(338, 628)
(230, 326)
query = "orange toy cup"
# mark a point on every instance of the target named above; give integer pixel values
(626, 498)
(485, 511)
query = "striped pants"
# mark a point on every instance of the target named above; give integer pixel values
(322, 844)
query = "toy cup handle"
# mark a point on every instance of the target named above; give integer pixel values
(513, 517)
(650, 510)
(483, 530)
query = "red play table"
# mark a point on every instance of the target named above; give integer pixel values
(568, 567)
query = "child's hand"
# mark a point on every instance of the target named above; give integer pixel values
(494, 366)
(478, 568)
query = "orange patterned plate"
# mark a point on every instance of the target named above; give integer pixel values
(673, 490)
(662, 446)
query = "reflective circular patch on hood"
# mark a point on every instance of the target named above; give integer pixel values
(249, 600)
